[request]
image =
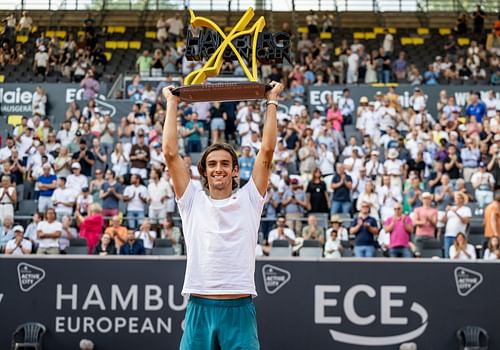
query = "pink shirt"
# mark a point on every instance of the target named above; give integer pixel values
(399, 236)
(428, 229)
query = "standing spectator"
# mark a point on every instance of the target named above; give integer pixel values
(479, 17)
(336, 225)
(161, 26)
(144, 63)
(195, 130)
(48, 233)
(461, 249)
(312, 231)
(388, 44)
(484, 183)
(456, 218)
(400, 227)
(63, 198)
(105, 246)
(369, 196)
(470, 158)
(317, 196)
(245, 164)
(294, 202)
(476, 107)
(136, 196)
(8, 197)
(132, 246)
(25, 24)
(6, 232)
(425, 219)
(39, 101)
(84, 158)
(341, 185)
(308, 156)
(453, 164)
(159, 193)
(18, 245)
(91, 226)
(41, 62)
(119, 160)
(388, 196)
(76, 181)
(110, 194)
(492, 219)
(90, 86)
(352, 67)
(117, 232)
(135, 89)
(107, 133)
(139, 155)
(347, 107)
(147, 236)
(172, 233)
(175, 27)
(400, 67)
(365, 228)
(386, 66)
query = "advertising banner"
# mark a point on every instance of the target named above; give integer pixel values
(348, 304)
(317, 95)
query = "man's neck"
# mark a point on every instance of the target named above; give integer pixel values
(220, 194)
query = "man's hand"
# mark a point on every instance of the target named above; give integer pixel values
(167, 93)
(275, 92)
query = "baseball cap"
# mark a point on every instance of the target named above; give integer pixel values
(18, 228)
(76, 165)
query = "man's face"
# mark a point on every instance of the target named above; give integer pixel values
(281, 222)
(83, 146)
(220, 170)
(365, 208)
(61, 183)
(153, 175)
(51, 215)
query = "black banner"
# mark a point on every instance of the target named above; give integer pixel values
(348, 304)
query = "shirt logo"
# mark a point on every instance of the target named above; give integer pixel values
(274, 278)
(29, 276)
(467, 280)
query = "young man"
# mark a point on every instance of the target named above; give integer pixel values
(221, 249)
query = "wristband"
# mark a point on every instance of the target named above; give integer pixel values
(272, 102)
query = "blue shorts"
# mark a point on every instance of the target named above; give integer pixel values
(212, 324)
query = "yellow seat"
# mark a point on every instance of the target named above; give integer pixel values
(179, 43)
(134, 45)
(418, 41)
(392, 30)
(423, 31)
(325, 35)
(50, 33)
(110, 29)
(80, 33)
(337, 51)
(150, 35)
(122, 45)
(2, 78)
(444, 31)
(61, 34)
(303, 30)
(378, 30)
(463, 41)
(110, 45)
(358, 35)
(108, 55)
(370, 36)
(14, 120)
(21, 39)
(34, 29)
(120, 29)
(406, 41)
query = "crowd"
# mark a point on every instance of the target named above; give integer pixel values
(372, 175)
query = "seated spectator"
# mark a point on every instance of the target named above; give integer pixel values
(18, 245)
(461, 249)
(312, 231)
(172, 233)
(369, 196)
(147, 236)
(8, 197)
(31, 231)
(105, 246)
(400, 228)
(281, 232)
(48, 233)
(365, 228)
(431, 76)
(63, 199)
(136, 197)
(67, 233)
(493, 250)
(132, 246)
(388, 196)
(425, 219)
(483, 183)
(91, 226)
(336, 224)
(456, 218)
(117, 232)
(333, 246)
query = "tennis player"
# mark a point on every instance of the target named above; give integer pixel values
(220, 225)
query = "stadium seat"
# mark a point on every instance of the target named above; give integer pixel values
(406, 41)
(378, 30)
(110, 45)
(77, 246)
(50, 33)
(108, 55)
(325, 35)
(444, 31)
(392, 30)
(14, 120)
(150, 35)
(423, 31)
(303, 30)
(370, 35)
(473, 337)
(2, 78)
(431, 249)
(21, 39)
(227, 29)
(27, 207)
(311, 249)
(418, 41)
(358, 35)
(60, 34)
(134, 45)
(280, 247)
(122, 45)
(347, 253)
(463, 41)
(163, 247)
(28, 335)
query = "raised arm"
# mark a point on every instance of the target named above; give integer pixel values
(263, 162)
(176, 166)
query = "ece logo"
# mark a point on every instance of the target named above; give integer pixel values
(324, 303)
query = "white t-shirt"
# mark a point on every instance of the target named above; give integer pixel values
(65, 195)
(47, 227)
(157, 192)
(76, 183)
(470, 250)
(454, 225)
(273, 234)
(26, 244)
(388, 44)
(220, 238)
(136, 204)
(148, 243)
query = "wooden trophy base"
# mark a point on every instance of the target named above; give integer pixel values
(222, 92)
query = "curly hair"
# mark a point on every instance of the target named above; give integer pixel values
(202, 164)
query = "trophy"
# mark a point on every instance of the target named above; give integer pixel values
(248, 46)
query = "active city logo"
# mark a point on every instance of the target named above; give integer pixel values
(467, 280)
(274, 278)
(29, 276)
(324, 301)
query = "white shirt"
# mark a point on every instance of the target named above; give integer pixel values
(326, 162)
(273, 234)
(65, 137)
(76, 183)
(157, 191)
(174, 25)
(296, 110)
(5, 153)
(157, 159)
(66, 195)
(136, 204)
(486, 180)
(26, 244)
(148, 243)
(220, 249)
(461, 256)
(46, 228)
(393, 166)
(454, 225)
(491, 106)
(388, 44)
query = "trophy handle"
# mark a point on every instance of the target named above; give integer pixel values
(268, 87)
(176, 92)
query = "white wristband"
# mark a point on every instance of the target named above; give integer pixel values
(272, 102)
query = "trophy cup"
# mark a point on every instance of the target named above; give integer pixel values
(247, 46)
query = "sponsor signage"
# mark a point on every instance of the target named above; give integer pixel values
(308, 304)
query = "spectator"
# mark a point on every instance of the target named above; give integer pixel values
(281, 232)
(39, 101)
(161, 26)
(25, 24)
(483, 183)
(41, 62)
(172, 233)
(83, 201)
(308, 156)
(159, 192)
(6, 232)
(106, 134)
(493, 250)
(67, 233)
(100, 157)
(31, 231)
(479, 17)
(139, 155)
(341, 185)
(48, 233)
(95, 186)
(400, 228)
(105, 246)
(144, 63)
(492, 219)
(347, 106)
(369, 196)
(400, 67)
(63, 198)
(245, 164)
(431, 75)
(317, 197)
(135, 89)
(136, 196)
(364, 227)
(18, 245)
(453, 164)
(91, 226)
(476, 108)
(388, 44)
(294, 202)
(174, 25)
(456, 218)
(119, 160)
(132, 246)
(85, 160)
(461, 24)
(90, 86)
(461, 249)
(312, 231)
(8, 197)
(195, 130)
(336, 224)
(147, 236)
(117, 232)
(110, 194)
(425, 219)
(333, 246)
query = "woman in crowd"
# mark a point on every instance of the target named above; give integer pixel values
(105, 246)
(172, 233)
(493, 250)
(119, 160)
(461, 249)
(91, 226)
(62, 164)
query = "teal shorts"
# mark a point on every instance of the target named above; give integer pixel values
(212, 324)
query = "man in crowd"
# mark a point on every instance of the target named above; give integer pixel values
(400, 228)
(18, 245)
(48, 233)
(365, 228)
